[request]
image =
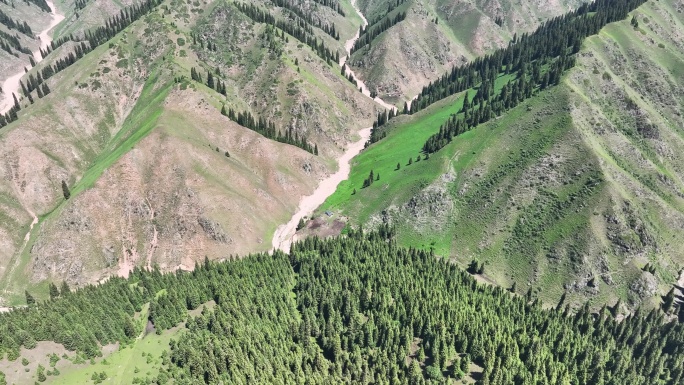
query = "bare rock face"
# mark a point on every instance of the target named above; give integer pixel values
(75, 220)
(213, 230)
(430, 208)
(643, 287)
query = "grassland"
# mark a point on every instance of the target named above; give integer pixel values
(573, 191)
(405, 139)
(479, 172)
(123, 364)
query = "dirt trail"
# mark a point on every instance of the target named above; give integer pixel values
(284, 234)
(11, 85)
(348, 46)
(282, 239)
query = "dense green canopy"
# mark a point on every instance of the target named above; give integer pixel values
(357, 309)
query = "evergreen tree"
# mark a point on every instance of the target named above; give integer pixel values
(29, 298)
(65, 190)
(668, 301)
(40, 373)
(210, 80)
(64, 289)
(54, 291)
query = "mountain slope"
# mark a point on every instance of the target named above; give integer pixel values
(157, 175)
(415, 51)
(20, 12)
(576, 190)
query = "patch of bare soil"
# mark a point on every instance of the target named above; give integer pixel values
(322, 227)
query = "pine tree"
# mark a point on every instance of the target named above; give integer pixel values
(29, 298)
(210, 80)
(129, 328)
(65, 190)
(464, 363)
(668, 301)
(64, 289)
(54, 291)
(40, 373)
(561, 302)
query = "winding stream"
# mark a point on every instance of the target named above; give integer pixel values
(11, 85)
(284, 234)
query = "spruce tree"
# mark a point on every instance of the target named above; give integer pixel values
(210, 80)
(29, 298)
(64, 289)
(54, 291)
(65, 190)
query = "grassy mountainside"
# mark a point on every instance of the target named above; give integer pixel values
(417, 50)
(576, 190)
(81, 15)
(20, 12)
(157, 175)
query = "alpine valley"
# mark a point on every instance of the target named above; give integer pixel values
(341, 191)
